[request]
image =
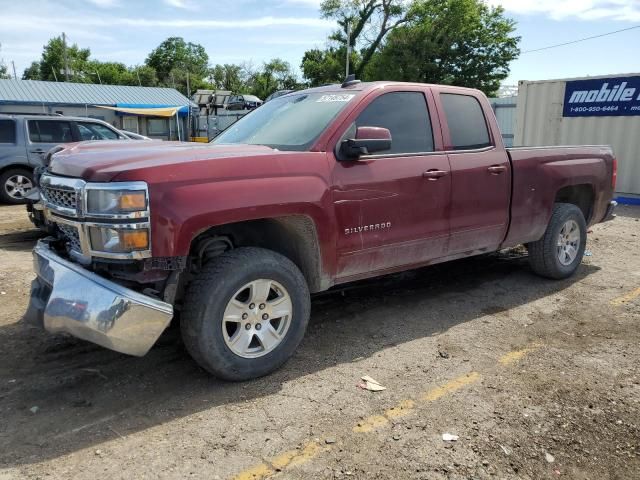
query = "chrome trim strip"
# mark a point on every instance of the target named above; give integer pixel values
(85, 242)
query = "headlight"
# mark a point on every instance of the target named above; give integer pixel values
(116, 201)
(118, 240)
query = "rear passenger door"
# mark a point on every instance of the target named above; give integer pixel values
(45, 134)
(480, 173)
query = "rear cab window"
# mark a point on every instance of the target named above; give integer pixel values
(467, 124)
(50, 131)
(7, 131)
(406, 116)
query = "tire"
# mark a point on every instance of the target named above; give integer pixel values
(546, 255)
(14, 183)
(209, 330)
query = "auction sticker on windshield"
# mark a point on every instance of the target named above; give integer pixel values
(340, 97)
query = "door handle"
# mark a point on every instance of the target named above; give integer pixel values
(37, 151)
(497, 169)
(434, 174)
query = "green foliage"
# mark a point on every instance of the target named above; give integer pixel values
(52, 65)
(274, 75)
(228, 77)
(369, 20)
(32, 72)
(455, 42)
(326, 66)
(175, 60)
(4, 70)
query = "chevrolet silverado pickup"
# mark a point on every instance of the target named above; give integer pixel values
(313, 189)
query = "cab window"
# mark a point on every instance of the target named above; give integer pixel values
(406, 116)
(467, 125)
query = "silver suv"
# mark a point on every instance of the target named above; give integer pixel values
(26, 139)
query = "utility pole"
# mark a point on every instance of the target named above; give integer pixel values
(15, 77)
(348, 46)
(64, 56)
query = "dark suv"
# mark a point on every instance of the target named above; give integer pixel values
(26, 139)
(243, 102)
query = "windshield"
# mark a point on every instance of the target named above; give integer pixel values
(292, 122)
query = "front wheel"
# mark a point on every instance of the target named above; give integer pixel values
(559, 252)
(245, 313)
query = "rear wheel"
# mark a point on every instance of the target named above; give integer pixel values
(15, 183)
(559, 252)
(245, 313)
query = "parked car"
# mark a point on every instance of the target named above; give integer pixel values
(316, 188)
(276, 94)
(134, 136)
(243, 102)
(26, 139)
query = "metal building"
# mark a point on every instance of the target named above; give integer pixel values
(505, 110)
(602, 110)
(126, 107)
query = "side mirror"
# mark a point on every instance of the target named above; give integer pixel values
(368, 140)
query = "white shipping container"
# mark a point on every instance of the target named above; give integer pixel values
(540, 121)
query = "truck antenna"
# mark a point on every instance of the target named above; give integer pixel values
(350, 80)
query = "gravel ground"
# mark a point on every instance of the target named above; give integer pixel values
(537, 378)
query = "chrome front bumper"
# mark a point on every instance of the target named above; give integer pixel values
(67, 298)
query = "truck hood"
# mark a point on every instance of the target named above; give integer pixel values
(103, 161)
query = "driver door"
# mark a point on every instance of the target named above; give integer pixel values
(392, 208)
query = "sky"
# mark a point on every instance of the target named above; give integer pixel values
(235, 31)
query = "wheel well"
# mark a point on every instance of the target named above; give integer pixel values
(293, 236)
(16, 166)
(581, 196)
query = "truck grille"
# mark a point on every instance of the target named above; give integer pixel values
(60, 196)
(71, 235)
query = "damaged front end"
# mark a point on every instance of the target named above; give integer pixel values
(96, 277)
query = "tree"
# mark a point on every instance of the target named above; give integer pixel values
(175, 60)
(370, 22)
(52, 65)
(4, 70)
(456, 42)
(275, 75)
(228, 77)
(32, 72)
(325, 66)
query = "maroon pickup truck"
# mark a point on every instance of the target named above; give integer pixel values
(313, 189)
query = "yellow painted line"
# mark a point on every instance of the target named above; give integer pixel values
(403, 409)
(370, 424)
(255, 473)
(516, 355)
(616, 302)
(312, 449)
(452, 386)
(290, 458)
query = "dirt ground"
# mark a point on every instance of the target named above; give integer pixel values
(537, 378)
